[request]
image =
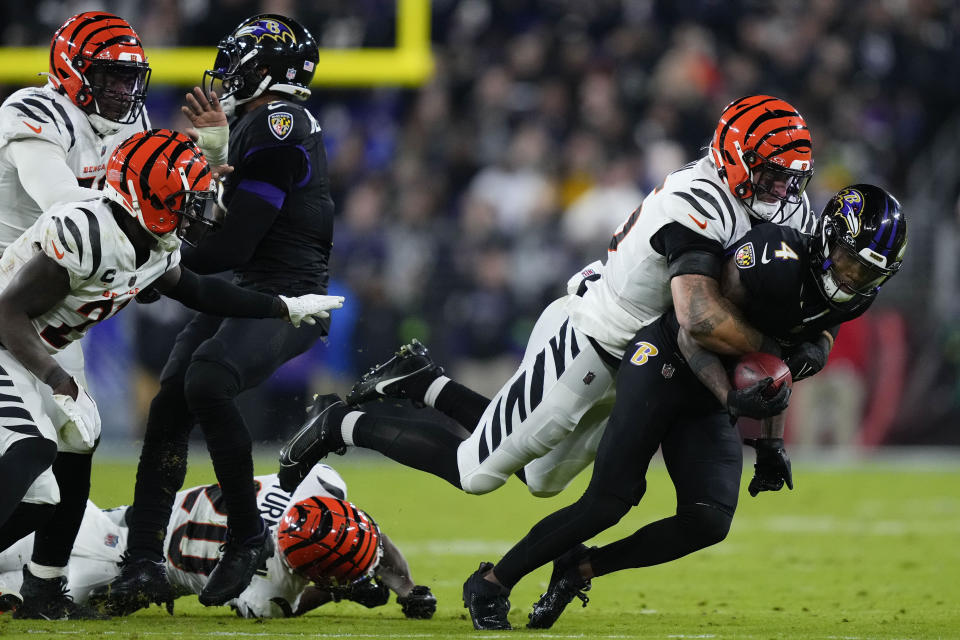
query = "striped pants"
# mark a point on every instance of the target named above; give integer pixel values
(548, 418)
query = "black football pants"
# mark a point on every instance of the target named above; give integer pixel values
(213, 360)
(660, 404)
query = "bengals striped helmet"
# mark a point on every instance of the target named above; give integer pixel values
(329, 540)
(96, 60)
(763, 151)
(161, 178)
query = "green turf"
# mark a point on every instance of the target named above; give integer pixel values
(859, 552)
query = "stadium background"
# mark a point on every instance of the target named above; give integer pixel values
(468, 187)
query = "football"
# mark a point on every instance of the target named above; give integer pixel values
(756, 366)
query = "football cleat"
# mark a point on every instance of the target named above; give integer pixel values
(487, 602)
(141, 582)
(386, 380)
(9, 600)
(420, 603)
(313, 442)
(47, 599)
(566, 583)
(233, 573)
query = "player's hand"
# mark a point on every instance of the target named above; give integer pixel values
(772, 468)
(203, 111)
(419, 603)
(84, 426)
(310, 307)
(806, 359)
(756, 402)
(367, 591)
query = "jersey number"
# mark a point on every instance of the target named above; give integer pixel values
(57, 336)
(195, 546)
(624, 229)
(785, 252)
(88, 183)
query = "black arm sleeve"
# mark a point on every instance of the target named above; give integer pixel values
(264, 181)
(687, 251)
(221, 298)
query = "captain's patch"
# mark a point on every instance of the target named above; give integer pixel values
(745, 256)
(281, 123)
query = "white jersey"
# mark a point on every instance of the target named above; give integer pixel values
(198, 527)
(85, 239)
(634, 284)
(40, 113)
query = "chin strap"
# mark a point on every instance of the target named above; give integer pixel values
(103, 126)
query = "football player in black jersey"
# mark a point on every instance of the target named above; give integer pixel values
(672, 395)
(276, 237)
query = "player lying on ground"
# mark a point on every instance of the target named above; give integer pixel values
(796, 288)
(545, 422)
(346, 545)
(77, 265)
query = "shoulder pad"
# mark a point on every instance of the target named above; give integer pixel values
(70, 235)
(35, 114)
(705, 208)
(283, 121)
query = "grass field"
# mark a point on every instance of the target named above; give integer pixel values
(855, 552)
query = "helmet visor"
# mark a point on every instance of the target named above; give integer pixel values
(774, 183)
(224, 79)
(852, 274)
(119, 88)
(197, 216)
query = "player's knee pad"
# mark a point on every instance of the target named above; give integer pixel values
(209, 384)
(706, 524)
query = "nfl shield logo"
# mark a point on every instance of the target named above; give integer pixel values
(111, 540)
(745, 256)
(291, 73)
(667, 371)
(281, 123)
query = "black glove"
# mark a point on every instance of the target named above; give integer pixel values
(807, 359)
(148, 295)
(772, 467)
(419, 603)
(756, 401)
(366, 591)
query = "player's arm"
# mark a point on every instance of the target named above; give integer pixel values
(39, 285)
(695, 263)
(772, 469)
(268, 177)
(216, 296)
(44, 174)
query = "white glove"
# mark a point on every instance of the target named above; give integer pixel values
(84, 426)
(310, 307)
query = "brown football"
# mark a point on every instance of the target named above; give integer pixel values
(753, 367)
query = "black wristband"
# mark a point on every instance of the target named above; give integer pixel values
(771, 346)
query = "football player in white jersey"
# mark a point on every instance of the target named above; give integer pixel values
(77, 265)
(546, 421)
(54, 144)
(198, 527)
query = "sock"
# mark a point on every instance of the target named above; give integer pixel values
(20, 465)
(347, 425)
(430, 396)
(47, 573)
(464, 405)
(416, 386)
(421, 444)
(54, 540)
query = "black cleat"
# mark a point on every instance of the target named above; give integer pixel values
(141, 582)
(566, 583)
(313, 442)
(420, 603)
(47, 599)
(386, 380)
(9, 600)
(234, 571)
(487, 602)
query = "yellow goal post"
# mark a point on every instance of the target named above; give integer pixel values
(409, 63)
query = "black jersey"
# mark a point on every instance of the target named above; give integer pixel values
(784, 301)
(277, 153)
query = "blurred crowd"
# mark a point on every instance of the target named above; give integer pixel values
(464, 205)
